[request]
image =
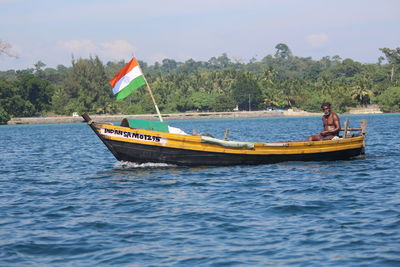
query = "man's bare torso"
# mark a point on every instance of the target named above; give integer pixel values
(329, 123)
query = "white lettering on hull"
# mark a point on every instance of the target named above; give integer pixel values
(134, 136)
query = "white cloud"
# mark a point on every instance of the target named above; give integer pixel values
(317, 40)
(80, 46)
(119, 49)
(116, 50)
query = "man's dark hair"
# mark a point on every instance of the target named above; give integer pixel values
(326, 104)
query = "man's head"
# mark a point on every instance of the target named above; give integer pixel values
(326, 108)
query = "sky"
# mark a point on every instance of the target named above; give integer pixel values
(56, 31)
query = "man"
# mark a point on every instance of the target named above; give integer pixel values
(331, 125)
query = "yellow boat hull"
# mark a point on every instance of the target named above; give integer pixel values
(141, 146)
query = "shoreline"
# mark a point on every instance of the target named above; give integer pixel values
(176, 116)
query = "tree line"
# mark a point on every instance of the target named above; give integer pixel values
(281, 80)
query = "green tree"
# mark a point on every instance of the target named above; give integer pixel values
(85, 89)
(393, 57)
(220, 62)
(168, 65)
(13, 102)
(347, 68)
(4, 116)
(290, 90)
(283, 51)
(223, 103)
(6, 89)
(246, 92)
(280, 80)
(16, 106)
(59, 100)
(36, 90)
(313, 102)
(361, 91)
(389, 100)
(39, 66)
(203, 101)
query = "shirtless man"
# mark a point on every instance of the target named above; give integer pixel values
(331, 125)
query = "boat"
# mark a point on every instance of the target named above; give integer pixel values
(142, 141)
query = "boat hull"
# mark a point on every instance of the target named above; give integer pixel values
(140, 153)
(142, 146)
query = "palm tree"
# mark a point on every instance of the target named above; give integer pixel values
(361, 90)
(393, 57)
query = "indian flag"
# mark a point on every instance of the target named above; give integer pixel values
(127, 80)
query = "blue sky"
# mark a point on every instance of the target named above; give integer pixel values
(53, 30)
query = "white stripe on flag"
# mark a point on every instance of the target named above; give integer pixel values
(125, 80)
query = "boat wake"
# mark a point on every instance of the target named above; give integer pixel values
(147, 165)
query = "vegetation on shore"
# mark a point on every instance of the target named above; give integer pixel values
(281, 80)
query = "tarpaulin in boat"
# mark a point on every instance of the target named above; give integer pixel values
(145, 125)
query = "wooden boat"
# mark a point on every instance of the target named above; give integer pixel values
(128, 143)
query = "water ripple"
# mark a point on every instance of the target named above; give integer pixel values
(66, 201)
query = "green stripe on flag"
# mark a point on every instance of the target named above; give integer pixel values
(132, 86)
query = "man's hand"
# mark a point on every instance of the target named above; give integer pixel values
(324, 133)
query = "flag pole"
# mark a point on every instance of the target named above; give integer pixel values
(152, 96)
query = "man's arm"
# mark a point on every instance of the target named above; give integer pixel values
(323, 132)
(336, 122)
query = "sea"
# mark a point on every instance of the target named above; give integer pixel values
(66, 201)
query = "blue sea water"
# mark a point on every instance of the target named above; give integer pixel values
(66, 201)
